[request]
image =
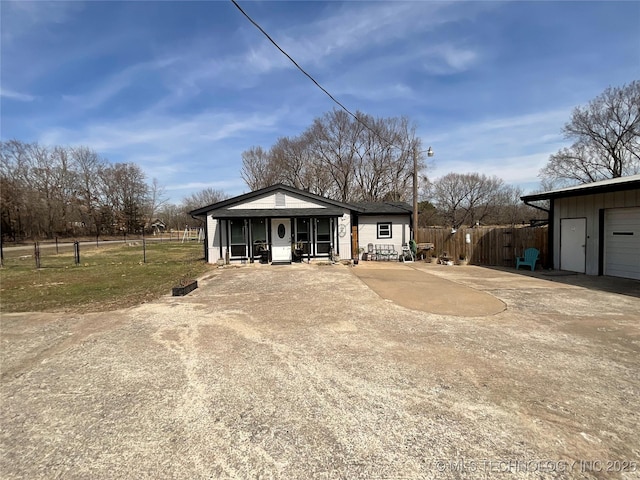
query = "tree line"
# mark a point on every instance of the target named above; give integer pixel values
(341, 158)
(458, 199)
(373, 160)
(73, 191)
(47, 191)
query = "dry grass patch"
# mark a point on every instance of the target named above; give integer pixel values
(108, 278)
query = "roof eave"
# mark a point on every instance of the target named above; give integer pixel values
(256, 193)
(587, 190)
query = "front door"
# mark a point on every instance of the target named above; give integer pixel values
(573, 239)
(280, 240)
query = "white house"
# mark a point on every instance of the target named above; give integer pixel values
(386, 223)
(281, 224)
(595, 228)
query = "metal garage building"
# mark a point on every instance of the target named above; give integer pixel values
(595, 228)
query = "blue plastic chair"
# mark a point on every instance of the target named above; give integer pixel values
(530, 258)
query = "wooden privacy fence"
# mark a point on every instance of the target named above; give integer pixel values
(488, 245)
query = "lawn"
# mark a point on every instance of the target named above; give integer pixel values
(107, 278)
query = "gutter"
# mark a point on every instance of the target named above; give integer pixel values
(526, 202)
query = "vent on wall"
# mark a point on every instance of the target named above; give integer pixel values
(280, 201)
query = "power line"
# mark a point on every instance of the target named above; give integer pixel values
(313, 79)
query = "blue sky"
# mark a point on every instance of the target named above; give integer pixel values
(183, 88)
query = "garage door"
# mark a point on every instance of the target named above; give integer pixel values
(622, 242)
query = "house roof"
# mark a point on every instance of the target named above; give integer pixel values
(384, 208)
(604, 186)
(278, 187)
(278, 212)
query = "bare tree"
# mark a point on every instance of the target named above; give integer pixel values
(510, 210)
(177, 217)
(157, 199)
(87, 165)
(257, 170)
(202, 198)
(342, 158)
(384, 166)
(13, 189)
(124, 197)
(54, 190)
(335, 140)
(606, 135)
(447, 194)
(466, 199)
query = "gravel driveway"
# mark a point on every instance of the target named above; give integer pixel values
(305, 372)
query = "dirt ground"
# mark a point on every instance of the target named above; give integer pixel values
(306, 371)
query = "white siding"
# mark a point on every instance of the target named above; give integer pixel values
(213, 240)
(269, 201)
(344, 242)
(588, 206)
(368, 230)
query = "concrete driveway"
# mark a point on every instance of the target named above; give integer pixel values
(304, 371)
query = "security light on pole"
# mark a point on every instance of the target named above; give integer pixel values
(415, 189)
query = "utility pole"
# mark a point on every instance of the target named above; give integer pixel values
(415, 188)
(415, 193)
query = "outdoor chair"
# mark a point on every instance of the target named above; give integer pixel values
(381, 252)
(407, 253)
(392, 254)
(530, 258)
(371, 255)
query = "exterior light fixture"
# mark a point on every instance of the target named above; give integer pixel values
(430, 153)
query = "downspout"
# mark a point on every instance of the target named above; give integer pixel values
(206, 239)
(310, 239)
(538, 207)
(550, 246)
(220, 235)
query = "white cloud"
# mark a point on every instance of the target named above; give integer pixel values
(354, 27)
(315, 43)
(182, 153)
(160, 133)
(448, 58)
(21, 18)
(13, 95)
(375, 92)
(117, 83)
(511, 148)
(218, 184)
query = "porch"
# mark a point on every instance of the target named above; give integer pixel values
(276, 240)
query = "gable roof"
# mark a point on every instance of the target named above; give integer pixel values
(257, 193)
(619, 184)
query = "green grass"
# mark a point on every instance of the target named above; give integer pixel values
(108, 278)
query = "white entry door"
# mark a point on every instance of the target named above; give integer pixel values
(573, 240)
(280, 240)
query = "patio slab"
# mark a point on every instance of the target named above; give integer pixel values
(414, 288)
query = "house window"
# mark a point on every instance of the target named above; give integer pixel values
(384, 230)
